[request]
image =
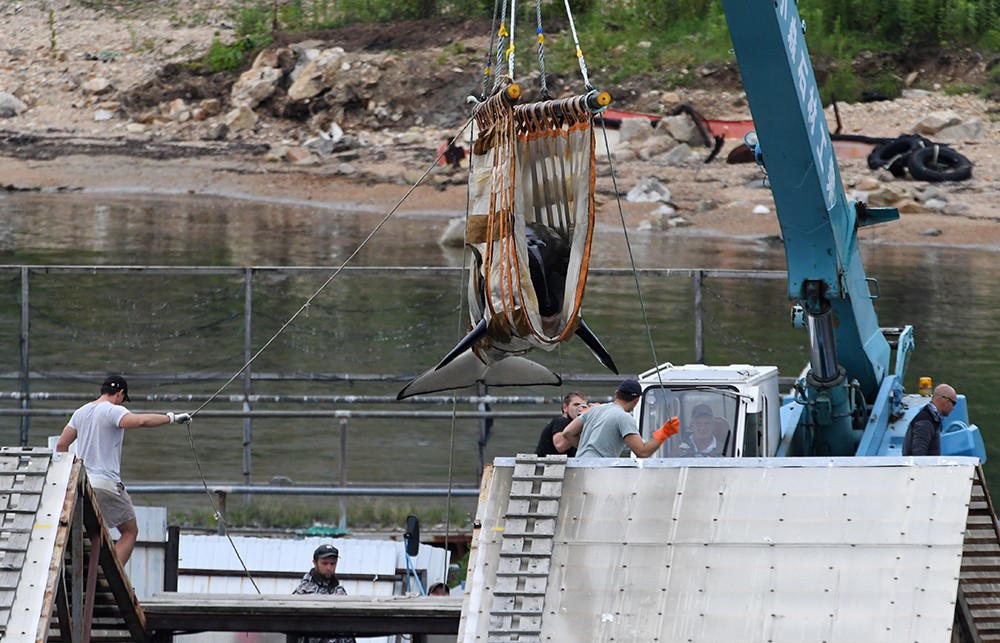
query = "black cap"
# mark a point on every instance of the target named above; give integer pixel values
(325, 551)
(115, 383)
(702, 409)
(629, 389)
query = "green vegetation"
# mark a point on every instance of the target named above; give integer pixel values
(660, 40)
(302, 513)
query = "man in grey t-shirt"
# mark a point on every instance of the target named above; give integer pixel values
(604, 431)
(98, 428)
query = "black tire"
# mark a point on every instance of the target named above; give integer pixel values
(938, 163)
(892, 156)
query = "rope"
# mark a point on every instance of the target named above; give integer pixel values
(462, 290)
(631, 257)
(541, 50)
(305, 306)
(501, 34)
(215, 509)
(488, 70)
(340, 269)
(583, 70)
(510, 49)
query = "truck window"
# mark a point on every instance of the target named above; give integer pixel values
(752, 435)
(707, 419)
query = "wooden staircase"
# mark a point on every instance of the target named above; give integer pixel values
(977, 610)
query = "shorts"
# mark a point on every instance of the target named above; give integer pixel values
(115, 504)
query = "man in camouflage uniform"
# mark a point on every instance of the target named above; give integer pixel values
(322, 579)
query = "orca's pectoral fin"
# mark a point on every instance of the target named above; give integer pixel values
(596, 347)
(467, 343)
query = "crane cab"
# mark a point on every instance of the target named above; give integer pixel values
(724, 411)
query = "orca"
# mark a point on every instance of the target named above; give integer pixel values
(492, 352)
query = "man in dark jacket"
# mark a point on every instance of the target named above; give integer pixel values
(923, 436)
(322, 579)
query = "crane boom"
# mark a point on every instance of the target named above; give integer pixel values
(818, 224)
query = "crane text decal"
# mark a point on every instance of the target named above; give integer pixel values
(806, 85)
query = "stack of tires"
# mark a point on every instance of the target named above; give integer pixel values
(925, 160)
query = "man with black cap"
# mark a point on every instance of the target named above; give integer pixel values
(604, 431)
(322, 579)
(98, 428)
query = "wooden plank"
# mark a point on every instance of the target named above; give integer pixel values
(361, 615)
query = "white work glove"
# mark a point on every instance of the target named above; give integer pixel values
(179, 418)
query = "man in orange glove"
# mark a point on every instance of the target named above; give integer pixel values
(605, 431)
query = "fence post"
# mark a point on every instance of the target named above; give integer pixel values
(223, 521)
(343, 472)
(247, 378)
(25, 372)
(699, 328)
(485, 428)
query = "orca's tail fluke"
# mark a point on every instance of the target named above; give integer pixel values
(465, 369)
(596, 347)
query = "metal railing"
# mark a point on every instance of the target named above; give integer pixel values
(248, 398)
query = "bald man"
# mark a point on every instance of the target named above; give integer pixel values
(923, 436)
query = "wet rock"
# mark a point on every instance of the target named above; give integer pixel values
(96, 86)
(634, 130)
(277, 58)
(255, 85)
(11, 105)
(241, 118)
(211, 106)
(648, 190)
(683, 129)
(318, 75)
(968, 131)
(412, 138)
(301, 156)
(413, 177)
(887, 195)
(216, 132)
(935, 122)
(655, 146)
(624, 153)
(680, 155)
(868, 184)
(178, 110)
(275, 153)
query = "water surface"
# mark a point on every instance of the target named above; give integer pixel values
(400, 324)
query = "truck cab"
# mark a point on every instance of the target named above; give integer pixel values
(724, 411)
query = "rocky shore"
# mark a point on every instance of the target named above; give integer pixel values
(91, 99)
